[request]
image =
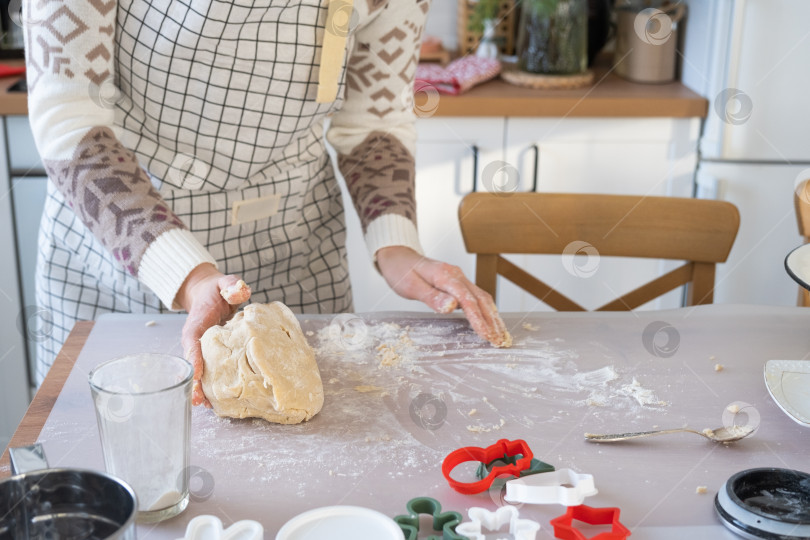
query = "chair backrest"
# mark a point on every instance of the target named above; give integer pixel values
(801, 200)
(700, 232)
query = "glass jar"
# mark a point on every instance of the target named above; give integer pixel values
(553, 36)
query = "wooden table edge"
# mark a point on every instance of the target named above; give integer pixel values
(45, 398)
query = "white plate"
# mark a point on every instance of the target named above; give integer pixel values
(788, 382)
(341, 523)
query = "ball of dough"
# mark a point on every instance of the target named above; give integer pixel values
(260, 365)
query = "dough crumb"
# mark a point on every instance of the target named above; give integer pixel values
(733, 408)
(388, 356)
(472, 412)
(708, 432)
(530, 327)
(478, 429)
(712, 358)
(236, 293)
(504, 343)
(366, 388)
(511, 366)
(310, 333)
(700, 490)
(718, 367)
(333, 380)
(150, 323)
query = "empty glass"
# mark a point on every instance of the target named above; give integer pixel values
(143, 408)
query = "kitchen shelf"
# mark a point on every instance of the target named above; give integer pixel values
(609, 97)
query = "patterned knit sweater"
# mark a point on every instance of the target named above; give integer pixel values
(130, 98)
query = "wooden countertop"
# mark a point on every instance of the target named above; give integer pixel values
(12, 103)
(31, 424)
(609, 97)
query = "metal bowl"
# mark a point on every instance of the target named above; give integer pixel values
(66, 504)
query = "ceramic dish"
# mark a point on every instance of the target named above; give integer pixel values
(797, 264)
(341, 523)
(788, 382)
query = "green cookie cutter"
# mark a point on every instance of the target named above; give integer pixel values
(442, 521)
(535, 467)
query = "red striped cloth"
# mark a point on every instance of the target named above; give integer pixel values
(459, 75)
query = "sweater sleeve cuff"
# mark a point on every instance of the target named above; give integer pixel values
(168, 261)
(391, 230)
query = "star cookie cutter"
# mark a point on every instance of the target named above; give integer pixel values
(564, 529)
(503, 450)
(444, 522)
(210, 528)
(564, 487)
(480, 519)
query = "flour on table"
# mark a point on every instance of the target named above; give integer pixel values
(643, 396)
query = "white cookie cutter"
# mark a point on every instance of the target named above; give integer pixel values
(481, 518)
(562, 486)
(210, 528)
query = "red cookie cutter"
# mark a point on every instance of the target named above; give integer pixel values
(500, 450)
(563, 527)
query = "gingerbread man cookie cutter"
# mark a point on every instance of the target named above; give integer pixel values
(444, 522)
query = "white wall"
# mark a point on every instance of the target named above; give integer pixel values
(442, 22)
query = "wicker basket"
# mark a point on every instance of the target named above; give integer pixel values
(504, 32)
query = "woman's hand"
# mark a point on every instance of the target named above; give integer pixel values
(200, 295)
(443, 287)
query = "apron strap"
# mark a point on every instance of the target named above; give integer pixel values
(338, 18)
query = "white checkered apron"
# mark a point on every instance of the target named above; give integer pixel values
(212, 103)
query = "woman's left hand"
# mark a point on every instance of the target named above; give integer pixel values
(443, 287)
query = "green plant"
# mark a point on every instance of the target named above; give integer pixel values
(544, 7)
(483, 10)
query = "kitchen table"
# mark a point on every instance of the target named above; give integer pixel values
(403, 390)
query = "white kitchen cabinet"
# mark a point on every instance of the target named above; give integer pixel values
(755, 272)
(630, 156)
(14, 396)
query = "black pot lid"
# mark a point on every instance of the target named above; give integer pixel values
(766, 503)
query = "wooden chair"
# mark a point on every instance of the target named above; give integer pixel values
(801, 200)
(700, 232)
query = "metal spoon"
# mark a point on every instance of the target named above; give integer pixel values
(723, 435)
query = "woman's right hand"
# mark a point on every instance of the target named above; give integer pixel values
(200, 297)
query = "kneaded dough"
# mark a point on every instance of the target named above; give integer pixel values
(260, 365)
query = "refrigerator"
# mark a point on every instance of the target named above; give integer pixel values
(751, 60)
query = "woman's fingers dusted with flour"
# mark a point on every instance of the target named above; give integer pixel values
(210, 298)
(444, 288)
